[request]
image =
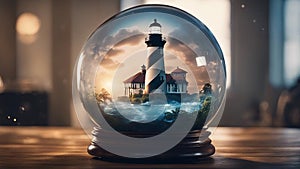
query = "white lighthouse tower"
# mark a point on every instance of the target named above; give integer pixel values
(155, 80)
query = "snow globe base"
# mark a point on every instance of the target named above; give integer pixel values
(195, 147)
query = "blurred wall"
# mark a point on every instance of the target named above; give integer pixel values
(60, 95)
(73, 22)
(86, 17)
(250, 61)
(7, 40)
(34, 51)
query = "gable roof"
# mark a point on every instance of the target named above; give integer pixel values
(178, 70)
(170, 79)
(137, 78)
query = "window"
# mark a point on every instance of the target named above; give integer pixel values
(284, 42)
(291, 41)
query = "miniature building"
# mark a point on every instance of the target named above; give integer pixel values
(175, 81)
(179, 84)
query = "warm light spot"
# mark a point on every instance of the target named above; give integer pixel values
(28, 24)
(14, 119)
(22, 108)
(30, 140)
(8, 117)
(1, 85)
(107, 84)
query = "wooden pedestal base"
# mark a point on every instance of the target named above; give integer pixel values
(189, 149)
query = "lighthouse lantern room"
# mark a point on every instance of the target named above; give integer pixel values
(155, 28)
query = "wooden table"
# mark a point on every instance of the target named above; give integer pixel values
(55, 147)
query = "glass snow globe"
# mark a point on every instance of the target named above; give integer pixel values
(150, 84)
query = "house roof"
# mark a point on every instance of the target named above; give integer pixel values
(137, 78)
(170, 79)
(178, 70)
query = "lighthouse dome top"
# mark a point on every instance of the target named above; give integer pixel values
(155, 23)
(155, 28)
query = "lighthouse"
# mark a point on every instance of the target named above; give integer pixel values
(155, 80)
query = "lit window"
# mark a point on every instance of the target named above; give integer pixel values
(291, 42)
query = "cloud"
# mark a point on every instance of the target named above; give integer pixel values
(192, 37)
(113, 52)
(126, 33)
(185, 53)
(188, 56)
(102, 40)
(114, 45)
(108, 63)
(132, 40)
(122, 37)
(187, 42)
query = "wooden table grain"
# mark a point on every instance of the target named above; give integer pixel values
(63, 147)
